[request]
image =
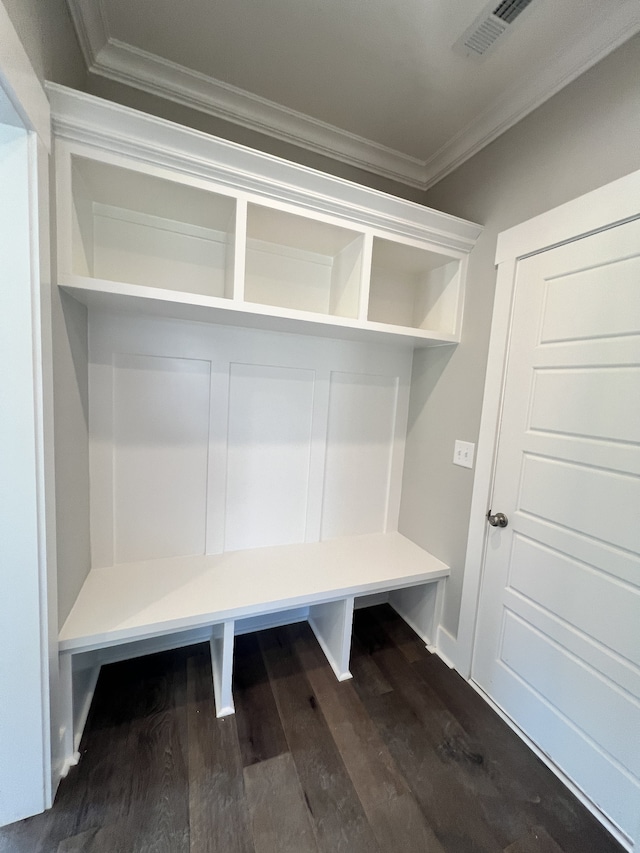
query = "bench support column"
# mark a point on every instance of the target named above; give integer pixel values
(222, 666)
(421, 608)
(332, 624)
(69, 755)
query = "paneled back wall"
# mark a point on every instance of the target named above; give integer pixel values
(207, 438)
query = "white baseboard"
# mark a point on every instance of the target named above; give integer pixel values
(445, 646)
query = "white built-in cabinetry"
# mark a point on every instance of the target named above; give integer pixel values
(235, 338)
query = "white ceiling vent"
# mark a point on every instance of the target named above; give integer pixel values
(489, 27)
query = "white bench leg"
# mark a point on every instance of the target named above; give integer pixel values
(421, 608)
(69, 755)
(222, 665)
(332, 624)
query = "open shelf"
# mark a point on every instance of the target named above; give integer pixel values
(414, 287)
(153, 301)
(299, 263)
(132, 227)
(134, 601)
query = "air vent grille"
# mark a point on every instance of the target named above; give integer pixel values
(492, 24)
(509, 10)
(481, 39)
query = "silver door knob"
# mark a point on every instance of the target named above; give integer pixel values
(497, 520)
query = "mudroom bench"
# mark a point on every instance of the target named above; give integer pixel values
(132, 609)
(234, 361)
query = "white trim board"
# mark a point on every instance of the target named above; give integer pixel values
(127, 64)
(594, 211)
(78, 117)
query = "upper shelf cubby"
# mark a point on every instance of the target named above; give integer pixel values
(136, 228)
(414, 287)
(162, 219)
(295, 262)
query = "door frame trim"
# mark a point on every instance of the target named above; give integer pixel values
(24, 104)
(598, 210)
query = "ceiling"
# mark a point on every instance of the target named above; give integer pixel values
(373, 83)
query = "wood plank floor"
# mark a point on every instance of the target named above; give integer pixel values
(405, 757)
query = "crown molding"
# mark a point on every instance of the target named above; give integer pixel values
(90, 23)
(124, 63)
(134, 67)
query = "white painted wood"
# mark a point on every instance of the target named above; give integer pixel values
(365, 273)
(567, 587)
(236, 281)
(562, 402)
(85, 680)
(204, 443)
(25, 744)
(65, 710)
(186, 201)
(301, 263)
(346, 280)
(137, 600)
(588, 304)
(216, 474)
(360, 437)
(372, 600)
(131, 298)
(421, 608)
(159, 456)
(179, 639)
(271, 620)
(220, 455)
(331, 623)
(157, 252)
(607, 506)
(48, 508)
(82, 118)
(135, 235)
(615, 202)
(221, 644)
(133, 227)
(268, 455)
(558, 660)
(412, 286)
(316, 592)
(374, 566)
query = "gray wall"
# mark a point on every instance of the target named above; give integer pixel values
(47, 35)
(586, 136)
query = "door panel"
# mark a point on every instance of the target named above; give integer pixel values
(558, 635)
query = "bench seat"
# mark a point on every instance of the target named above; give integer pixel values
(135, 602)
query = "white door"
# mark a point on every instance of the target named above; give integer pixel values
(558, 632)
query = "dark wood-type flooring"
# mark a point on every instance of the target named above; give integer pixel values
(405, 757)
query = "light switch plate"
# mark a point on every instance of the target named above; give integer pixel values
(463, 452)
